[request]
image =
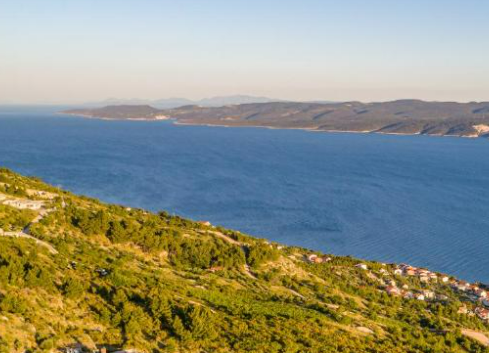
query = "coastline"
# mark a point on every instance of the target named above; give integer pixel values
(175, 121)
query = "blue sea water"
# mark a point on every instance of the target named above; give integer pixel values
(416, 199)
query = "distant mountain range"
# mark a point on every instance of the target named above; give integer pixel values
(174, 102)
(396, 117)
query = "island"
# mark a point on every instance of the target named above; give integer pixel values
(79, 275)
(409, 117)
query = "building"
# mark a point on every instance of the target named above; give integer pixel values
(481, 293)
(460, 286)
(463, 310)
(482, 313)
(393, 290)
(362, 266)
(428, 294)
(408, 295)
(419, 296)
(410, 272)
(441, 297)
(312, 258)
(318, 259)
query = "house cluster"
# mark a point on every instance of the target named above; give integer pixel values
(482, 313)
(423, 274)
(474, 292)
(404, 292)
(313, 258)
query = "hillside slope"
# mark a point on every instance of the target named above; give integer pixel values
(77, 272)
(397, 117)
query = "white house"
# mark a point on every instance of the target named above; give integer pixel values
(428, 294)
(419, 296)
(481, 293)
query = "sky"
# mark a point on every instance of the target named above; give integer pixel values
(59, 51)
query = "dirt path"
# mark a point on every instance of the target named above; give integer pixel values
(478, 336)
(247, 271)
(225, 237)
(25, 233)
(51, 249)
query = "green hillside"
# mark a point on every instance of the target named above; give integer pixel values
(75, 271)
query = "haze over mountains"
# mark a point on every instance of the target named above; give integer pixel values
(174, 102)
(396, 117)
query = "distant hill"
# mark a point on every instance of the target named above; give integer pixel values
(75, 272)
(119, 112)
(396, 117)
(175, 102)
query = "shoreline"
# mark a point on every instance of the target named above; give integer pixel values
(175, 121)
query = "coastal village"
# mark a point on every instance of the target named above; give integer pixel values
(477, 294)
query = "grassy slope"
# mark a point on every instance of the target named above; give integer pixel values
(173, 285)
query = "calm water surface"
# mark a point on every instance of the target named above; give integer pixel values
(422, 200)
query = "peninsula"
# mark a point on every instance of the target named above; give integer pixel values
(410, 117)
(78, 275)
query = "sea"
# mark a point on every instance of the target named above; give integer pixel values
(421, 200)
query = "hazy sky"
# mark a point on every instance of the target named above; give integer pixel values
(73, 51)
